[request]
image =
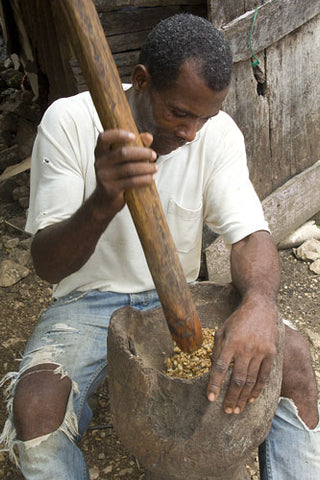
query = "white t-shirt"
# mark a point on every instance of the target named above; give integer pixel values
(206, 180)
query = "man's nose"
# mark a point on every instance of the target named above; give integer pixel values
(188, 130)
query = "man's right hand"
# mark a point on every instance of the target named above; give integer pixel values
(119, 166)
(64, 247)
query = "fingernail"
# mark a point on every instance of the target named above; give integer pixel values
(236, 411)
(251, 400)
(131, 135)
(228, 410)
(212, 397)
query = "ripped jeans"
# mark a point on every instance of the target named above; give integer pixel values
(72, 334)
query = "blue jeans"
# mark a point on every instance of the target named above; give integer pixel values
(72, 334)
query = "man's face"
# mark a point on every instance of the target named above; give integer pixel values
(175, 114)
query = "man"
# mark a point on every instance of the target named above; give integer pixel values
(85, 243)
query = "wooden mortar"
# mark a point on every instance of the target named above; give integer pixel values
(168, 423)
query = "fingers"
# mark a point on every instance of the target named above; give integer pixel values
(115, 146)
(121, 165)
(219, 369)
(146, 138)
(109, 138)
(244, 379)
(251, 361)
(264, 373)
(246, 382)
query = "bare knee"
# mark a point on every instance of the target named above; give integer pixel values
(298, 382)
(297, 358)
(40, 401)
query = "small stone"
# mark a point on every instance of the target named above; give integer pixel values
(108, 469)
(101, 456)
(17, 305)
(93, 473)
(26, 243)
(12, 341)
(125, 471)
(315, 266)
(314, 337)
(9, 242)
(309, 250)
(11, 273)
(20, 256)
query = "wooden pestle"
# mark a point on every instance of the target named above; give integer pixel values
(87, 38)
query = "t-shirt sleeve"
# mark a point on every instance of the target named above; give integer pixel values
(232, 207)
(56, 184)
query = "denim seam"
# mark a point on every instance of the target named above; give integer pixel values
(267, 459)
(85, 391)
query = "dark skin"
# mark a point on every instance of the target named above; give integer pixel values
(248, 337)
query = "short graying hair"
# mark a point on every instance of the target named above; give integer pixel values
(185, 37)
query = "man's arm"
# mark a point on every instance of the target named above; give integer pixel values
(63, 248)
(249, 336)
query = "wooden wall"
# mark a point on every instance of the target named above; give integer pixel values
(276, 105)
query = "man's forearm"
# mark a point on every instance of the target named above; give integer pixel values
(255, 266)
(63, 248)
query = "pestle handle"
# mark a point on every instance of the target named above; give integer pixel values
(89, 43)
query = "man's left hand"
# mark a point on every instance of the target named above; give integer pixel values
(248, 341)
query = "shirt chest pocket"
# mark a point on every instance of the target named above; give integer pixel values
(185, 226)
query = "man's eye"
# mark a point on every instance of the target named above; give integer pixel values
(179, 114)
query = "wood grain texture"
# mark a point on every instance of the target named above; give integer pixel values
(251, 113)
(222, 13)
(95, 58)
(293, 71)
(275, 20)
(280, 118)
(110, 5)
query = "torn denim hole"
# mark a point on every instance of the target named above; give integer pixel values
(69, 426)
(58, 328)
(62, 327)
(289, 411)
(289, 324)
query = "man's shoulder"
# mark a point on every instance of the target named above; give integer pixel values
(224, 123)
(70, 111)
(74, 103)
(221, 128)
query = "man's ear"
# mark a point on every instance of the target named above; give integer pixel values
(140, 78)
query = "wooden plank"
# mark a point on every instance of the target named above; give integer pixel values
(132, 20)
(251, 113)
(275, 19)
(127, 41)
(286, 209)
(109, 5)
(221, 13)
(294, 100)
(125, 62)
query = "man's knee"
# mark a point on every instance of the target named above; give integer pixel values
(40, 401)
(297, 367)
